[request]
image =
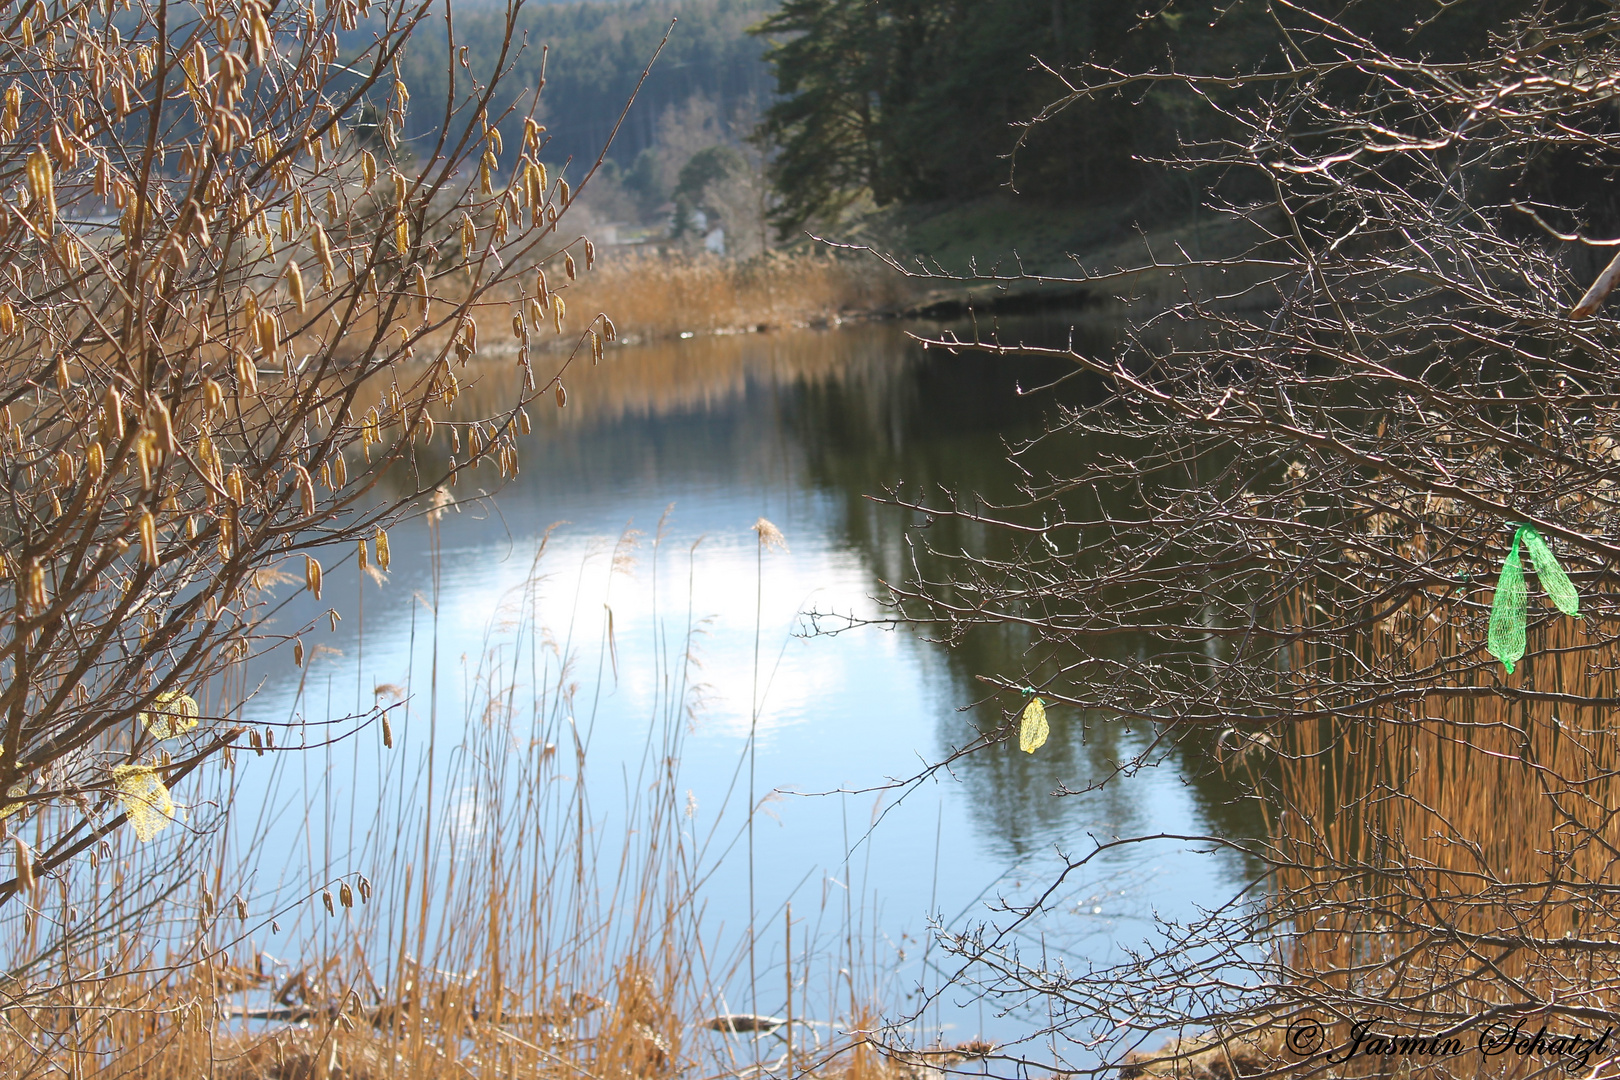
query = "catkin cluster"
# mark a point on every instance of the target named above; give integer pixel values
(228, 306)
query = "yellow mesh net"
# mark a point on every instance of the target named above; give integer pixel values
(146, 801)
(174, 713)
(1032, 727)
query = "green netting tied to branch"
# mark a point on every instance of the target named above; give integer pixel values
(1505, 641)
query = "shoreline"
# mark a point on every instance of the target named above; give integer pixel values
(652, 297)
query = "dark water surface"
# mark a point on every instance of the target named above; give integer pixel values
(800, 428)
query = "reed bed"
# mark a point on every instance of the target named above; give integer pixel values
(651, 296)
(1442, 865)
(1452, 858)
(630, 298)
(496, 921)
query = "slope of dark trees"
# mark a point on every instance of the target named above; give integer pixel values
(912, 102)
(923, 100)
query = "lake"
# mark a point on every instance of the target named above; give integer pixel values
(689, 443)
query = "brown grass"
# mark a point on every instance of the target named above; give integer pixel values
(1443, 861)
(520, 940)
(1207, 1058)
(650, 297)
(1448, 855)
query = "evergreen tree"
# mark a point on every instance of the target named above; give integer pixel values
(830, 74)
(596, 53)
(927, 100)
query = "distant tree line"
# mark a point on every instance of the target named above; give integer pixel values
(916, 101)
(597, 52)
(882, 102)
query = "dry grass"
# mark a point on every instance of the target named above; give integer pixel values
(1208, 1058)
(1442, 862)
(1482, 813)
(650, 297)
(500, 930)
(1451, 856)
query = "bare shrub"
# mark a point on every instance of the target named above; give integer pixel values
(231, 303)
(1293, 505)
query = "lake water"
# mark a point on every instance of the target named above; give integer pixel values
(707, 436)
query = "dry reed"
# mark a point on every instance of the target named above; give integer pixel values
(495, 931)
(1452, 858)
(651, 296)
(1443, 866)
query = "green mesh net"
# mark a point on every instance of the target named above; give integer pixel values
(1552, 576)
(1505, 640)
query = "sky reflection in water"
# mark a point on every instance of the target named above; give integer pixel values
(797, 428)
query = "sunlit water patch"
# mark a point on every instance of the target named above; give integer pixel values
(626, 548)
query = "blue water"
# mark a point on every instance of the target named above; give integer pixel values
(798, 428)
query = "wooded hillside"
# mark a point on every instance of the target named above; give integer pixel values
(922, 100)
(597, 52)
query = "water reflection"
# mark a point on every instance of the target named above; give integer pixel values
(801, 428)
(938, 422)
